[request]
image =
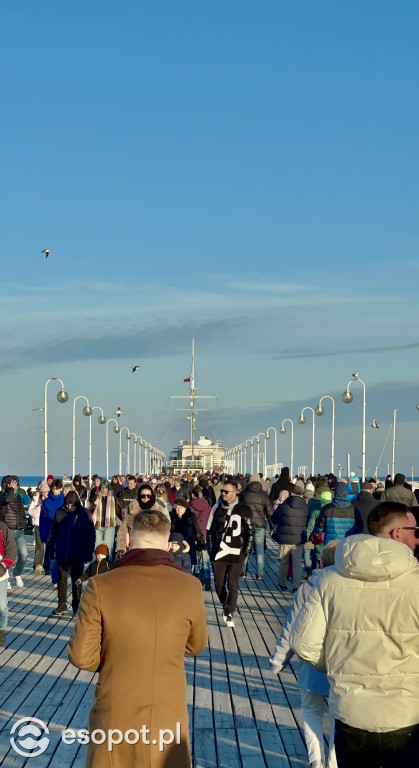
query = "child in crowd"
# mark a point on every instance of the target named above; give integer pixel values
(99, 565)
(180, 549)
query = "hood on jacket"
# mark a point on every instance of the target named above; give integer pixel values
(254, 485)
(370, 558)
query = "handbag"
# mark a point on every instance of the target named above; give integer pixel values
(317, 537)
(200, 570)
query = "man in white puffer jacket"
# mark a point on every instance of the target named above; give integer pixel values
(361, 624)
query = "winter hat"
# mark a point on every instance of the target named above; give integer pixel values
(102, 549)
(399, 479)
(255, 478)
(43, 486)
(50, 477)
(366, 486)
(298, 488)
(72, 498)
(380, 485)
(177, 538)
(134, 507)
(181, 503)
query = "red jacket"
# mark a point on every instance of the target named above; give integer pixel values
(201, 509)
(8, 549)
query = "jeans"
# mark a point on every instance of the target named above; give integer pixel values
(297, 565)
(207, 564)
(106, 536)
(50, 565)
(371, 749)
(312, 710)
(39, 549)
(4, 611)
(77, 568)
(259, 547)
(226, 578)
(22, 552)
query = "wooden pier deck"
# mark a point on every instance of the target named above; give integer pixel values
(240, 714)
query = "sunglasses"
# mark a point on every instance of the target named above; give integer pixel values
(227, 491)
(145, 495)
(405, 528)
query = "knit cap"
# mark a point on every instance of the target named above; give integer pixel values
(43, 486)
(177, 538)
(181, 503)
(298, 488)
(102, 549)
(255, 478)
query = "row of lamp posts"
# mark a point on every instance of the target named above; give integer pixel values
(153, 458)
(241, 450)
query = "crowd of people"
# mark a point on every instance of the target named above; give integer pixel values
(345, 548)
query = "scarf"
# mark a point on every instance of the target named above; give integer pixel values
(109, 512)
(147, 557)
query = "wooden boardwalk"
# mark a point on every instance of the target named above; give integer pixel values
(240, 714)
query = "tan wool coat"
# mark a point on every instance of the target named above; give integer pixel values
(134, 625)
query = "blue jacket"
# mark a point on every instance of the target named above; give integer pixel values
(337, 522)
(48, 510)
(72, 536)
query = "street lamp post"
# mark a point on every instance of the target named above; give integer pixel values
(319, 412)
(101, 420)
(255, 437)
(140, 445)
(62, 397)
(258, 445)
(302, 420)
(282, 431)
(267, 436)
(348, 397)
(87, 411)
(120, 448)
(116, 430)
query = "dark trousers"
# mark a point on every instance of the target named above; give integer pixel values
(39, 548)
(226, 578)
(369, 749)
(76, 567)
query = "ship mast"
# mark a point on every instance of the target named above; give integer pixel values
(192, 397)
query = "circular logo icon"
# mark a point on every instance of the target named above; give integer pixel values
(28, 738)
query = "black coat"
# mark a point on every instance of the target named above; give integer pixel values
(363, 505)
(217, 528)
(11, 510)
(188, 526)
(282, 484)
(290, 520)
(72, 536)
(259, 503)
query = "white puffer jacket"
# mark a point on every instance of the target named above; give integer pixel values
(361, 623)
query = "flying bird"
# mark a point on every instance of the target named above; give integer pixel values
(37, 409)
(46, 251)
(134, 368)
(355, 375)
(118, 412)
(374, 424)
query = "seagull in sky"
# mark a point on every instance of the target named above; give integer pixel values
(355, 375)
(134, 368)
(374, 424)
(46, 251)
(118, 412)
(37, 409)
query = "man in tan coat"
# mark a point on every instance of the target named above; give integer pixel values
(134, 625)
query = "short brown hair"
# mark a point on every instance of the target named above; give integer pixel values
(154, 522)
(383, 514)
(56, 484)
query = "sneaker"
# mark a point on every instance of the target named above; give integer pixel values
(2, 638)
(55, 586)
(19, 581)
(208, 585)
(283, 589)
(38, 570)
(9, 586)
(243, 575)
(259, 577)
(59, 610)
(228, 620)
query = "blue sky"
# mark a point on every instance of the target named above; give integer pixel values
(243, 173)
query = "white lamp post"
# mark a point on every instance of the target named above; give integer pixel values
(120, 447)
(258, 445)
(140, 445)
(348, 397)
(101, 420)
(62, 397)
(302, 420)
(319, 412)
(116, 430)
(267, 436)
(87, 411)
(283, 431)
(255, 437)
